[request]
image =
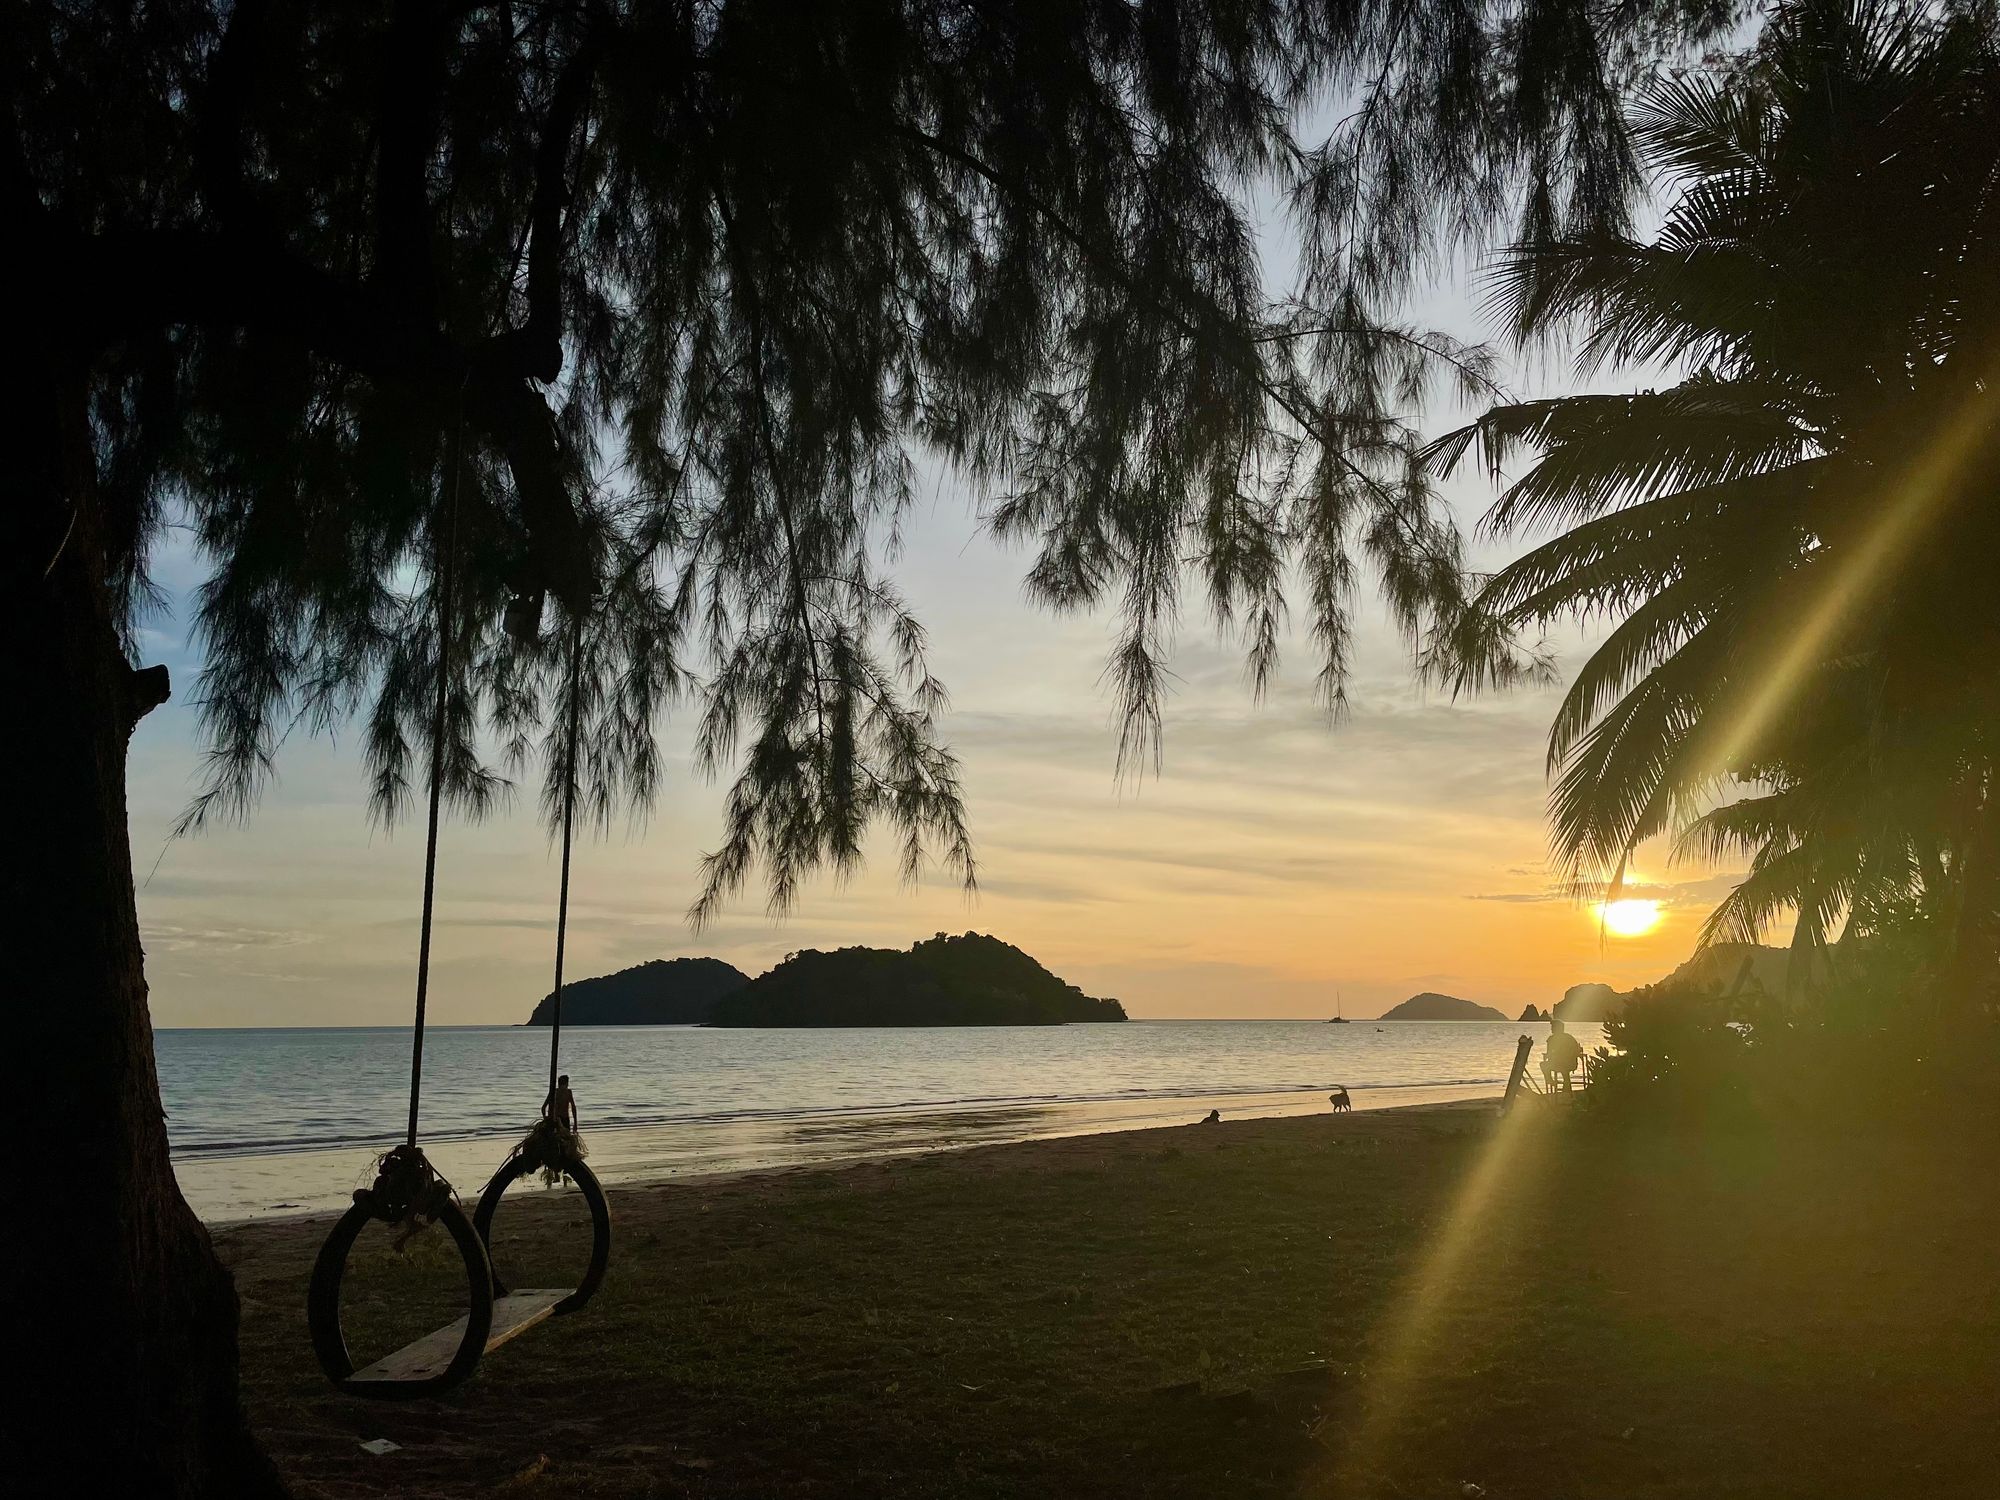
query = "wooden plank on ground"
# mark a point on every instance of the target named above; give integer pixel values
(428, 1356)
(1523, 1050)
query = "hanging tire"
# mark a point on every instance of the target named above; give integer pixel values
(323, 1307)
(511, 1171)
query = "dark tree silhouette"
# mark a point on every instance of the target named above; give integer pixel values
(638, 313)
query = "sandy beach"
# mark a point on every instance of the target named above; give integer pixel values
(1395, 1303)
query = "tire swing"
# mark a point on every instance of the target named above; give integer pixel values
(408, 1191)
(548, 1147)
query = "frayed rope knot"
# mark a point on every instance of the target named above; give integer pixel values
(407, 1191)
(550, 1149)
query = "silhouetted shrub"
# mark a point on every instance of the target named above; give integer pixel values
(1871, 1046)
(1675, 1054)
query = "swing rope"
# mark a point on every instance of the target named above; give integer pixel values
(444, 567)
(568, 820)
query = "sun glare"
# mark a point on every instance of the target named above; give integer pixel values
(1629, 918)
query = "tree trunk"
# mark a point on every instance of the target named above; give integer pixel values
(120, 1322)
(1970, 973)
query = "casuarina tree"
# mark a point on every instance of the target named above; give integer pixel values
(630, 321)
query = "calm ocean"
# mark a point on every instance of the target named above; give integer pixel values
(281, 1121)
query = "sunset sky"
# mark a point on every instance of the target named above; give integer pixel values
(1275, 863)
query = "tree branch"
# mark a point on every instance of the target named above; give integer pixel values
(412, 79)
(1472, 374)
(146, 688)
(124, 284)
(218, 137)
(1107, 261)
(516, 418)
(538, 343)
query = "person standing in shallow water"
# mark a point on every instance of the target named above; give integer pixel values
(1561, 1057)
(560, 1106)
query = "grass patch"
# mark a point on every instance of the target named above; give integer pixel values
(1221, 1311)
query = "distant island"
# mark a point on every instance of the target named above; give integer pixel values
(972, 980)
(1431, 1006)
(1586, 1002)
(660, 992)
(977, 980)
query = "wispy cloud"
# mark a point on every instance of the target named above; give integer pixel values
(170, 937)
(1705, 892)
(1276, 859)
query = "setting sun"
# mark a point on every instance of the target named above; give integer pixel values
(1629, 918)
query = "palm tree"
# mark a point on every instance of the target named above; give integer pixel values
(1795, 539)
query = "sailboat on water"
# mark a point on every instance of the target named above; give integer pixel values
(1338, 1018)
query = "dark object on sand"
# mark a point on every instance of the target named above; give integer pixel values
(1213, 1117)
(1340, 1102)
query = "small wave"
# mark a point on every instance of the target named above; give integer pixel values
(488, 1127)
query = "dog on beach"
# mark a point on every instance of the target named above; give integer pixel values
(1213, 1117)
(1341, 1103)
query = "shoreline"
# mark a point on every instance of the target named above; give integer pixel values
(231, 1191)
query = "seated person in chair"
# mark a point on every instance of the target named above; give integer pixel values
(1561, 1057)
